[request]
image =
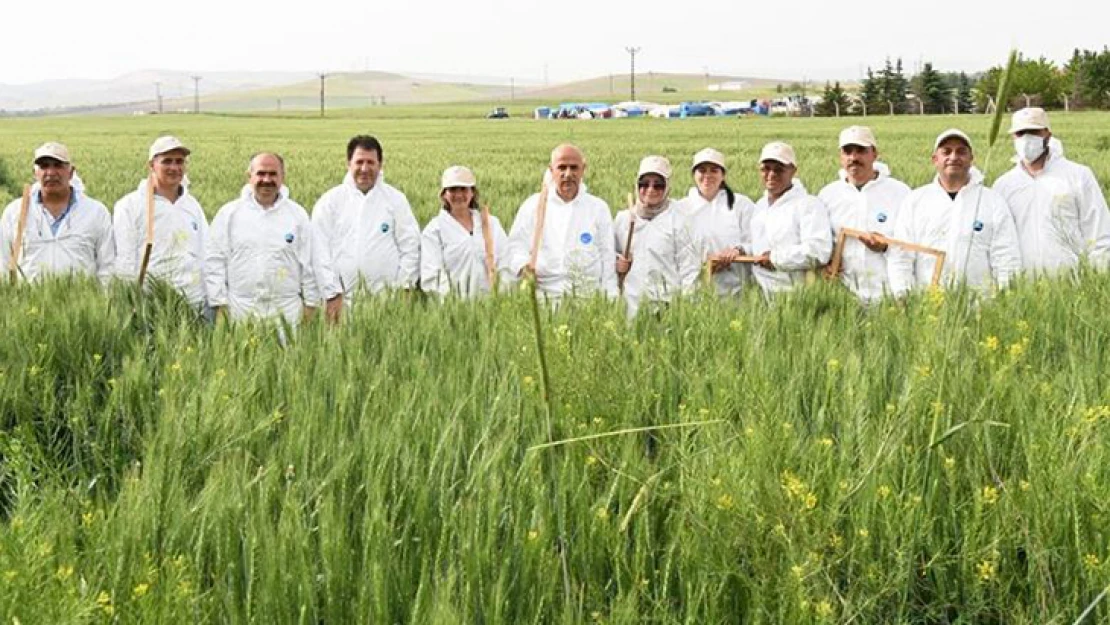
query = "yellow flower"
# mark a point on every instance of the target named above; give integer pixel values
(949, 463)
(104, 601)
(63, 573)
(140, 590)
(528, 380)
(1025, 486)
(986, 570)
(833, 364)
(991, 343)
(810, 501)
(924, 371)
(884, 491)
(736, 325)
(835, 541)
(602, 514)
(591, 461)
(533, 535)
(1091, 561)
(990, 495)
(97, 357)
(724, 502)
(826, 442)
(10, 575)
(176, 366)
(1017, 349)
(823, 609)
(798, 570)
(863, 532)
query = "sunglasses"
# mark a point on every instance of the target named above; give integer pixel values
(646, 184)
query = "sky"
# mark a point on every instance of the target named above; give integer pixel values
(531, 41)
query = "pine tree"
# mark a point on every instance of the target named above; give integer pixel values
(834, 101)
(963, 94)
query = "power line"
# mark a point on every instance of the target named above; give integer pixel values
(632, 52)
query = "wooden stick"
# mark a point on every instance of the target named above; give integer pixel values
(838, 252)
(747, 259)
(537, 236)
(628, 241)
(487, 236)
(21, 226)
(149, 245)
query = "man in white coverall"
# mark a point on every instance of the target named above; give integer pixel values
(1058, 206)
(790, 230)
(65, 232)
(370, 237)
(958, 214)
(864, 197)
(576, 255)
(259, 250)
(177, 255)
(663, 261)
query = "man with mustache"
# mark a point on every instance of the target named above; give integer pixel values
(259, 259)
(864, 197)
(576, 253)
(177, 255)
(370, 237)
(1058, 206)
(65, 232)
(958, 214)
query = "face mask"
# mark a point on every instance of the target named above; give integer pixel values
(1029, 147)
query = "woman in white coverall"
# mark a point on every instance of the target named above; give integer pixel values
(662, 261)
(790, 228)
(453, 245)
(716, 218)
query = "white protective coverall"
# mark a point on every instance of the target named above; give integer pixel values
(83, 243)
(975, 230)
(795, 230)
(1060, 213)
(870, 208)
(453, 259)
(259, 260)
(713, 227)
(370, 241)
(576, 255)
(177, 255)
(664, 257)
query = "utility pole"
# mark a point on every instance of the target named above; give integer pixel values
(158, 95)
(632, 52)
(512, 90)
(196, 93)
(322, 77)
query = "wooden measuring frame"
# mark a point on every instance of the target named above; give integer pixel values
(148, 246)
(21, 227)
(838, 251)
(628, 241)
(487, 236)
(537, 236)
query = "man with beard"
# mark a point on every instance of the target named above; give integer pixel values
(259, 251)
(864, 197)
(64, 230)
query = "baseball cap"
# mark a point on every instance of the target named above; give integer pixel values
(457, 176)
(858, 135)
(53, 150)
(778, 151)
(709, 155)
(165, 144)
(1029, 118)
(655, 165)
(948, 134)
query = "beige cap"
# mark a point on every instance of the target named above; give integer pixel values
(858, 135)
(948, 134)
(53, 150)
(457, 176)
(778, 151)
(165, 144)
(655, 165)
(709, 155)
(1029, 118)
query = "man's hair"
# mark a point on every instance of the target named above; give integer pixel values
(280, 160)
(365, 142)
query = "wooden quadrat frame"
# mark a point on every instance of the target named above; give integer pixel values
(838, 251)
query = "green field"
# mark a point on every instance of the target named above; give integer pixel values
(944, 461)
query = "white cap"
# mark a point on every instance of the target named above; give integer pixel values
(709, 155)
(655, 165)
(53, 150)
(1029, 118)
(948, 134)
(858, 135)
(778, 151)
(457, 176)
(165, 144)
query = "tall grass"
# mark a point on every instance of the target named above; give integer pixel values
(938, 462)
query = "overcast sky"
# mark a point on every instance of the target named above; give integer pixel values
(570, 39)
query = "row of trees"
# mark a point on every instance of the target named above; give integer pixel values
(1084, 82)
